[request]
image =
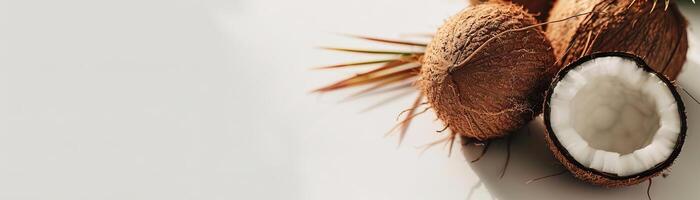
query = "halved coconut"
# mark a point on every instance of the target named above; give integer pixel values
(613, 121)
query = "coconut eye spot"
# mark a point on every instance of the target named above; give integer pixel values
(612, 116)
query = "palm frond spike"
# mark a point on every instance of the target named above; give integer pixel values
(397, 73)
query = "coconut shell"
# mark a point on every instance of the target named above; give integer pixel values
(658, 36)
(501, 85)
(538, 8)
(601, 178)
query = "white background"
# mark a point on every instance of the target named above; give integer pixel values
(209, 99)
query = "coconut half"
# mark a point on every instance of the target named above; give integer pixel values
(613, 121)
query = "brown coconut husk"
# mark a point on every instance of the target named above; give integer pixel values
(600, 178)
(640, 27)
(538, 8)
(483, 81)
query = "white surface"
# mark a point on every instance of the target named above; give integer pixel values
(207, 99)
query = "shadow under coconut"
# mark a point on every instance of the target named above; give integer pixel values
(530, 159)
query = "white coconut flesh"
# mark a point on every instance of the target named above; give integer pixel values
(614, 117)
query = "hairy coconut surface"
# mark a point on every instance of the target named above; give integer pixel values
(485, 81)
(538, 8)
(613, 121)
(640, 27)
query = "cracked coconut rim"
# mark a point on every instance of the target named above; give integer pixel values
(610, 114)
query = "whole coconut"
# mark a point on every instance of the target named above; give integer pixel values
(483, 79)
(657, 35)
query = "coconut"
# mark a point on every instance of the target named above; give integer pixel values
(482, 78)
(538, 8)
(656, 34)
(613, 121)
